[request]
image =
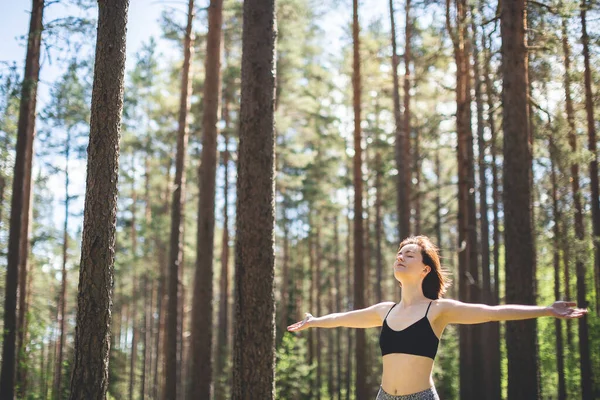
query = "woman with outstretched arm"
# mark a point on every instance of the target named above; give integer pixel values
(411, 329)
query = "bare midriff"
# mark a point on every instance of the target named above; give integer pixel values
(406, 374)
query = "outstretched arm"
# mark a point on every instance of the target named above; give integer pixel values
(369, 317)
(456, 312)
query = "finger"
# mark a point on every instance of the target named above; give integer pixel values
(570, 303)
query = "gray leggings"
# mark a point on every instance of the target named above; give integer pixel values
(429, 394)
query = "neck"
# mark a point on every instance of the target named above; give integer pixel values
(412, 294)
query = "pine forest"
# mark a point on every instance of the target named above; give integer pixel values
(182, 181)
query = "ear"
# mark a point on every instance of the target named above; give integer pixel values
(427, 269)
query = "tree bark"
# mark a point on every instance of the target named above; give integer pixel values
(359, 289)
(254, 336)
(591, 128)
(519, 256)
(177, 212)
(92, 334)
(201, 339)
(19, 202)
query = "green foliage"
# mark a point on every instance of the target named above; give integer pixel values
(292, 373)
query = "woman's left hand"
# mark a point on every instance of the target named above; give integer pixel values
(566, 310)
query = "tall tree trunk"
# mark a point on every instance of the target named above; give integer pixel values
(318, 291)
(201, 339)
(134, 325)
(591, 127)
(471, 362)
(494, 339)
(146, 336)
(338, 305)
(486, 290)
(520, 335)
(92, 334)
(584, 354)
(402, 196)
(560, 362)
(438, 197)
(177, 212)
(406, 116)
(63, 285)
(359, 289)
(19, 202)
(378, 228)
(254, 337)
(222, 348)
(23, 275)
(350, 301)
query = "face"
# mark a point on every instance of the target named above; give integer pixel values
(409, 264)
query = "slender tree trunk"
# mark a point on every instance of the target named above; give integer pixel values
(417, 183)
(92, 334)
(134, 325)
(406, 116)
(378, 228)
(201, 339)
(254, 337)
(591, 127)
(560, 362)
(222, 348)
(494, 339)
(311, 297)
(177, 212)
(350, 301)
(19, 202)
(359, 289)
(438, 197)
(402, 196)
(471, 361)
(23, 275)
(486, 289)
(519, 247)
(146, 335)
(338, 305)
(57, 390)
(584, 354)
(318, 291)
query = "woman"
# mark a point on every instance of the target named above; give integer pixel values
(411, 329)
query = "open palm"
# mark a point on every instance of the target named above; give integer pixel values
(301, 325)
(566, 310)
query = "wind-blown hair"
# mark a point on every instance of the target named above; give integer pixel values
(437, 281)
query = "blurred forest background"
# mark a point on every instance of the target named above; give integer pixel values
(402, 121)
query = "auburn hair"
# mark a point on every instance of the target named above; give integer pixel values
(437, 281)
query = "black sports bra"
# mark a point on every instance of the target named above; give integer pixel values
(417, 339)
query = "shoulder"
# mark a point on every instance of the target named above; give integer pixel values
(442, 306)
(382, 308)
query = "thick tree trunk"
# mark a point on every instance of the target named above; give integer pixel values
(402, 196)
(519, 247)
(254, 337)
(19, 202)
(177, 212)
(92, 334)
(202, 309)
(584, 354)
(362, 391)
(591, 128)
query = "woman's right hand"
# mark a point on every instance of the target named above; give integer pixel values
(304, 324)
